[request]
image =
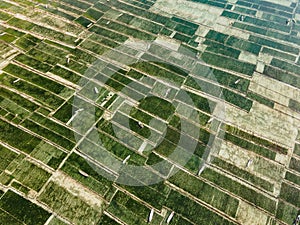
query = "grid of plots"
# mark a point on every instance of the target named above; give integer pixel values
(86, 81)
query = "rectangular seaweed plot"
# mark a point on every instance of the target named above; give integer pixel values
(286, 212)
(155, 195)
(97, 177)
(41, 95)
(290, 194)
(17, 138)
(56, 221)
(243, 174)
(228, 63)
(206, 192)
(194, 211)
(22, 209)
(282, 75)
(69, 206)
(48, 154)
(31, 175)
(106, 220)
(29, 76)
(49, 134)
(130, 210)
(255, 139)
(6, 157)
(235, 187)
(250, 146)
(6, 218)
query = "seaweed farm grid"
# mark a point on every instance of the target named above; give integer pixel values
(132, 112)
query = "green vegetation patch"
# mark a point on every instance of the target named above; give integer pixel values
(93, 47)
(253, 138)
(131, 211)
(52, 48)
(125, 18)
(20, 187)
(239, 189)
(140, 12)
(60, 13)
(44, 57)
(237, 100)
(31, 175)
(292, 178)
(244, 45)
(50, 135)
(230, 14)
(206, 87)
(96, 180)
(159, 72)
(134, 125)
(228, 63)
(69, 206)
(273, 44)
(5, 178)
(194, 211)
(18, 99)
(294, 105)
(6, 157)
(285, 66)
(93, 14)
(279, 54)
(286, 212)
(250, 146)
(21, 24)
(108, 33)
(56, 221)
(104, 41)
(152, 196)
(64, 113)
(257, 181)
(126, 30)
(118, 148)
(295, 164)
(53, 126)
(260, 99)
(66, 74)
(106, 220)
(198, 101)
(297, 149)
(34, 78)
(7, 38)
(17, 113)
(78, 4)
(23, 210)
(206, 192)
(4, 16)
(124, 214)
(48, 154)
(146, 25)
(157, 106)
(218, 48)
(282, 75)
(83, 21)
(217, 36)
(291, 194)
(227, 79)
(164, 169)
(52, 34)
(18, 138)
(185, 22)
(31, 62)
(27, 42)
(6, 218)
